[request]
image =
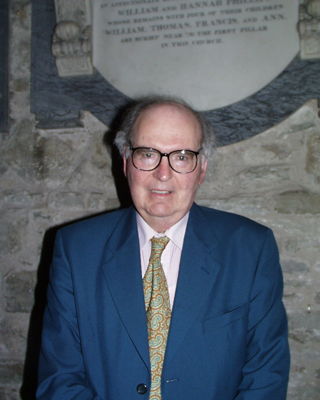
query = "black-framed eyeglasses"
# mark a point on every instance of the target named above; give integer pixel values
(181, 161)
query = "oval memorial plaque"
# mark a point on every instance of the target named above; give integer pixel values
(211, 53)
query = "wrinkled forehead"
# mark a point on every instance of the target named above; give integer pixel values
(167, 116)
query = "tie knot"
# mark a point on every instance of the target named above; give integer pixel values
(158, 244)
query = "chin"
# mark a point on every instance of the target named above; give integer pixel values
(161, 211)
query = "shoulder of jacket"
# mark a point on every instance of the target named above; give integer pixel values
(105, 222)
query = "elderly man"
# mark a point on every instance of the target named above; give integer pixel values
(166, 300)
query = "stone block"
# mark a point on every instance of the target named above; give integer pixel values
(303, 336)
(297, 202)
(93, 178)
(22, 199)
(262, 177)
(13, 231)
(19, 291)
(276, 151)
(99, 202)
(304, 369)
(307, 324)
(304, 339)
(67, 200)
(13, 335)
(313, 157)
(94, 172)
(57, 157)
(16, 156)
(20, 85)
(11, 372)
(9, 394)
(292, 267)
(305, 392)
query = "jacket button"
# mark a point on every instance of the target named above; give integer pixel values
(142, 388)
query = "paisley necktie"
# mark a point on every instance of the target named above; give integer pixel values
(157, 303)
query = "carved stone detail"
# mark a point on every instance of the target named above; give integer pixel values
(71, 45)
(309, 29)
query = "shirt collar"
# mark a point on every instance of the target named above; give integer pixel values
(175, 233)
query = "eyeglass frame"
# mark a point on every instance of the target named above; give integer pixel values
(133, 149)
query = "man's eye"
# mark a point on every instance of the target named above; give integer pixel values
(182, 158)
(148, 155)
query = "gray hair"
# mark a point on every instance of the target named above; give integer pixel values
(126, 129)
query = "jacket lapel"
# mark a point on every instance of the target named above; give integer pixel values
(123, 273)
(197, 274)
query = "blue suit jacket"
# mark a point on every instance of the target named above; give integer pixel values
(228, 333)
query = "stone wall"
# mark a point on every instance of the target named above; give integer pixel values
(274, 178)
(50, 177)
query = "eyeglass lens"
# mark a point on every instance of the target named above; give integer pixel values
(182, 161)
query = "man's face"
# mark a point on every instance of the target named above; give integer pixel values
(162, 196)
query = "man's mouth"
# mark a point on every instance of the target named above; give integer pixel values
(156, 191)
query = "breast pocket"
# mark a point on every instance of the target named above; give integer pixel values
(226, 318)
(224, 339)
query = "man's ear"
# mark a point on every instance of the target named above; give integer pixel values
(204, 166)
(124, 164)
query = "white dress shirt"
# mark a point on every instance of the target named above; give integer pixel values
(170, 258)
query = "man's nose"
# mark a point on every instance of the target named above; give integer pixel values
(163, 172)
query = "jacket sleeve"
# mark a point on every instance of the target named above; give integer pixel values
(265, 373)
(62, 373)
